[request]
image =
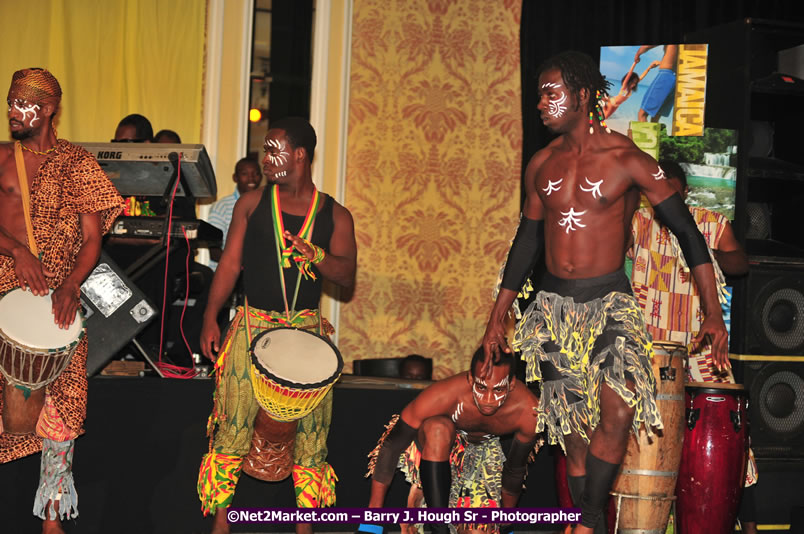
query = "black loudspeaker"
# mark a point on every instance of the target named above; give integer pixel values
(768, 311)
(115, 310)
(776, 406)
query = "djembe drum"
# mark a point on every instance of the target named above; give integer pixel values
(713, 460)
(33, 352)
(643, 492)
(291, 372)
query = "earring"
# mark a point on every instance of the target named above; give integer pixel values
(591, 123)
(600, 116)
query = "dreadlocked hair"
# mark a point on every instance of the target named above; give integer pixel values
(579, 72)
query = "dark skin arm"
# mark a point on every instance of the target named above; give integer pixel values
(730, 255)
(641, 167)
(227, 272)
(30, 272)
(494, 338)
(526, 433)
(65, 297)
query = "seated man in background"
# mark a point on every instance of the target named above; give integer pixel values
(416, 367)
(167, 136)
(450, 436)
(247, 177)
(133, 128)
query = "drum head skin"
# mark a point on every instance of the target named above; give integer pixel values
(296, 357)
(28, 320)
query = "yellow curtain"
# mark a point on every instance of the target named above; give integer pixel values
(432, 174)
(112, 58)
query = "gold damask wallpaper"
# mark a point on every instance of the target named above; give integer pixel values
(432, 180)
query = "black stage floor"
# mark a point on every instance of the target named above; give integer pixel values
(137, 465)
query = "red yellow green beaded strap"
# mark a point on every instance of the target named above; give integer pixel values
(279, 227)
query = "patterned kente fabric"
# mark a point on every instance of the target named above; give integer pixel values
(665, 289)
(69, 182)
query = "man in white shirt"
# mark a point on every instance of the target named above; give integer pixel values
(248, 177)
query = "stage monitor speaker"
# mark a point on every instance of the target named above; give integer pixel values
(115, 310)
(768, 311)
(776, 406)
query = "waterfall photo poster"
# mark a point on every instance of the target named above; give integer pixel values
(709, 161)
(663, 84)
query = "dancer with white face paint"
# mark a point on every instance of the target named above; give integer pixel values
(55, 205)
(584, 335)
(307, 237)
(460, 418)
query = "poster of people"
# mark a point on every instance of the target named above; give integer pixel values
(664, 84)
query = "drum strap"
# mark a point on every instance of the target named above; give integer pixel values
(283, 252)
(22, 175)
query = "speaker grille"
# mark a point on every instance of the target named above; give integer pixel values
(782, 316)
(759, 220)
(776, 409)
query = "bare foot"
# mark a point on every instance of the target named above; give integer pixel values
(219, 523)
(304, 528)
(52, 526)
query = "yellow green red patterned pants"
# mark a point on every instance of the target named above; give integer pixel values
(231, 424)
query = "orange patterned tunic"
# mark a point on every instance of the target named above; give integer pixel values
(69, 182)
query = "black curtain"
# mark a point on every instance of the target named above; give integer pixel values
(550, 27)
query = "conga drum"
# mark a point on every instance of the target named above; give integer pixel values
(644, 491)
(292, 370)
(713, 460)
(33, 352)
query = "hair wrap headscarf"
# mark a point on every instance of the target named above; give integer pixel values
(34, 85)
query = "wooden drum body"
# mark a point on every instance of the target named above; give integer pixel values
(33, 352)
(643, 492)
(713, 460)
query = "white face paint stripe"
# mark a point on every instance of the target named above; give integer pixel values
(594, 187)
(30, 108)
(557, 107)
(551, 186)
(503, 382)
(572, 220)
(278, 159)
(659, 175)
(551, 85)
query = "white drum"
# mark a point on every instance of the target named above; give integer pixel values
(292, 371)
(33, 349)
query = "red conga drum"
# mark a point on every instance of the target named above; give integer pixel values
(644, 491)
(713, 460)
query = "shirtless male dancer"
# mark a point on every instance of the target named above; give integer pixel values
(584, 334)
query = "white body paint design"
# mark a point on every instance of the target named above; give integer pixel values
(557, 107)
(594, 187)
(500, 398)
(659, 175)
(457, 413)
(572, 220)
(552, 186)
(503, 382)
(475, 392)
(282, 157)
(280, 174)
(30, 108)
